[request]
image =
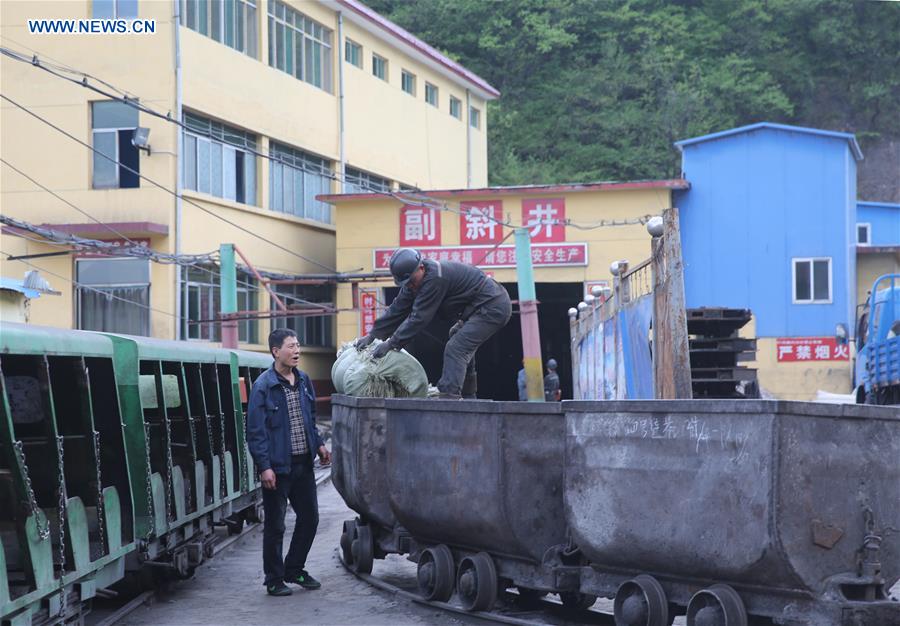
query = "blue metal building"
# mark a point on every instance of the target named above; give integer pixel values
(769, 224)
(877, 224)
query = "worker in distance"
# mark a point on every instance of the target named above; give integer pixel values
(453, 291)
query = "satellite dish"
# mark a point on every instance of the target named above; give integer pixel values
(140, 138)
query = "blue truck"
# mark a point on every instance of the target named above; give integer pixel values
(877, 370)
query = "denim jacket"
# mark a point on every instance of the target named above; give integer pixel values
(268, 423)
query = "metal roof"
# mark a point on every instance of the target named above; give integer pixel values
(675, 184)
(14, 284)
(849, 137)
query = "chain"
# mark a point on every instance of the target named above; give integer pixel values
(169, 467)
(43, 529)
(242, 454)
(101, 507)
(193, 472)
(222, 484)
(62, 527)
(150, 504)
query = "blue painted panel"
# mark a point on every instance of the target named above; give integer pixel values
(884, 219)
(757, 200)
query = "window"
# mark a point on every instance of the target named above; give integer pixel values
(299, 46)
(353, 53)
(358, 181)
(113, 125)
(474, 117)
(115, 9)
(864, 234)
(202, 298)
(311, 330)
(431, 94)
(113, 295)
(812, 281)
(456, 107)
(379, 67)
(295, 179)
(408, 82)
(232, 22)
(218, 161)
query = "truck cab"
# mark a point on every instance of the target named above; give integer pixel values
(877, 370)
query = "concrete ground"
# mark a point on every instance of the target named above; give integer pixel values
(229, 589)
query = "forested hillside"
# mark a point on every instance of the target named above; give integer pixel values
(599, 89)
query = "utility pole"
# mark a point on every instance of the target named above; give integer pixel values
(531, 335)
(228, 290)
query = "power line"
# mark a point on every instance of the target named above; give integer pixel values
(89, 288)
(428, 202)
(164, 188)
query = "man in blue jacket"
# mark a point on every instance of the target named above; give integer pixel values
(283, 440)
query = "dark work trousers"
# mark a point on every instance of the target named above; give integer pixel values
(298, 488)
(459, 354)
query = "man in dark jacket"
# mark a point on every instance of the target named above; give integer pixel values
(453, 291)
(283, 440)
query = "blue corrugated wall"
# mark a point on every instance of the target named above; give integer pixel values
(884, 219)
(757, 200)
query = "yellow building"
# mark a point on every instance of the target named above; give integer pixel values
(280, 102)
(567, 259)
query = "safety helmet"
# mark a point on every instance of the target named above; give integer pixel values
(403, 263)
(551, 364)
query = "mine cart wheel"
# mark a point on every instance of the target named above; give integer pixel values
(347, 540)
(720, 605)
(476, 582)
(641, 601)
(363, 549)
(577, 600)
(435, 573)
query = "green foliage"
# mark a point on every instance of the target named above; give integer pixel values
(599, 89)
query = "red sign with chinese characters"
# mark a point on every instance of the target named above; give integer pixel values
(420, 226)
(546, 218)
(542, 255)
(479, 222)
(811, 349)
(368, 310)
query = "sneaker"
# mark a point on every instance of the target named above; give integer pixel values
(278, 589)
(304, 580)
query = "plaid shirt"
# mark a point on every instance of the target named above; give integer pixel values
(299, 446)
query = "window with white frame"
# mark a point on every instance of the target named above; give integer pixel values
(864, 234)
(379, 67)
(408, 82)
(232, 22)
(114, 9)
(358, 181)
(113, 295)
(456, 107)
(299, 46)
(312, 330)
(295, 179)
(353, 53)
(202, 295)
(431, 94)
(118, 159)
(219, 159)
(474, 117)
(812, 280)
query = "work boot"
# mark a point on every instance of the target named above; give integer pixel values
(278, 589)
(304, 580)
